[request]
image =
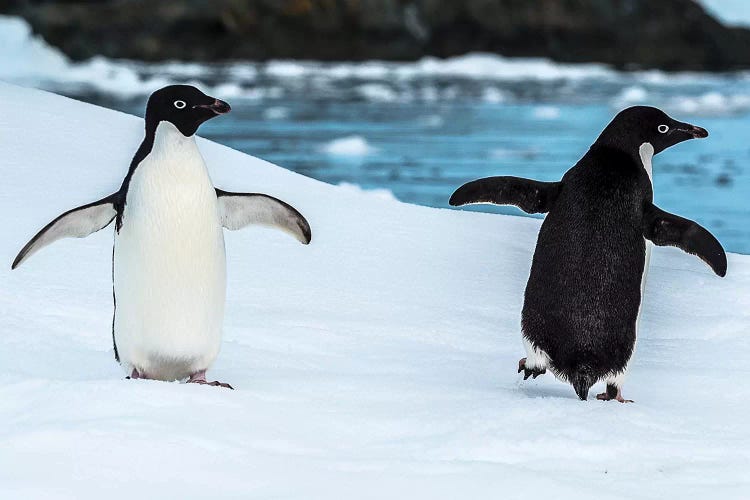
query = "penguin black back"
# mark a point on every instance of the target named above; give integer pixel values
(583, 297)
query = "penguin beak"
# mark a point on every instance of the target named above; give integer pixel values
(693, 131)
(698, 132)
(218, 107)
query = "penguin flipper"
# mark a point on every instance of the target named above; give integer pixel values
(533, 197)
(665, 229)
(238, 210)
(76, 223)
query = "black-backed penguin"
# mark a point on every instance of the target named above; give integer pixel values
(168, 263)
(583, 297)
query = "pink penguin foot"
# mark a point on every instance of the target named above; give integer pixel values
(136, 375)
(200, 378)
(613, 393)
(529, 372)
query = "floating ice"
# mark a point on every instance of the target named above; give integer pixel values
(710, 104)
(631, 96)
(354, 145)
(377, 92)
(276, 113)
(546, 113)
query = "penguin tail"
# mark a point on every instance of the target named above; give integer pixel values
(582, 380)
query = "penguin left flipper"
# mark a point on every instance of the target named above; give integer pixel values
(665, 229)
(238, 210)
(533, 197)
(78, 223)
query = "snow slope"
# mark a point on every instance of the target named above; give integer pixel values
(379, 362)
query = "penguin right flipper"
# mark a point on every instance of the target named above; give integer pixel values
(238, 210)
(77, 223)
(665, 229)
(533, 197)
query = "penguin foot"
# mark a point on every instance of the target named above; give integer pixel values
(613, 393)
(200, 378)
(135, 375)
(529, 372)
(215, 383)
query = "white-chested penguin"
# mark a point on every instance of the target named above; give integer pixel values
(168, 263)
(583, 297)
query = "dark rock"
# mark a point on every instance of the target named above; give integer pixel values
(666, 34)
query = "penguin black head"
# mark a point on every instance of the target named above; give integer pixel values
(183, 106)
(635, 126)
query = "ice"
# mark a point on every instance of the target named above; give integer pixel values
(377, 362)
(710, 104)
(354, 145)
(377, 92)
(631, 96)
(276, 113)
(546, 113)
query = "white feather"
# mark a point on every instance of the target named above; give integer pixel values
(170, 264)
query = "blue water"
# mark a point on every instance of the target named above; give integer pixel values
(422, 149)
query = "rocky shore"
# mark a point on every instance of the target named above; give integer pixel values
(627, 34)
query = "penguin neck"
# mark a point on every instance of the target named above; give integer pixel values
(174, 157)
(168, 138)
(162, 136)
(641, 157)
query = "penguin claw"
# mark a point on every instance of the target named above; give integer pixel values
(215, 383)
(200, 378)
(529, 372)
(521, 364)
(606, 397)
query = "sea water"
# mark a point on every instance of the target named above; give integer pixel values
(421, 150)
(419, 130)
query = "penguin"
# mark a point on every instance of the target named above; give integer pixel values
(168, 259)
(583, 298)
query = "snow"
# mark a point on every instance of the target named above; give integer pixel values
(354, 145)
(378, 362)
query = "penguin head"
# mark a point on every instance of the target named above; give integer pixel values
(183, 106)
(638, 125)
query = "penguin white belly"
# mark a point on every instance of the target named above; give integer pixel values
(169, 264)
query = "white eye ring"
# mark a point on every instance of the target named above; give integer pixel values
(179, 104)
(662, 129)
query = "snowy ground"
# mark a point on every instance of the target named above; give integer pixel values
(379, 362)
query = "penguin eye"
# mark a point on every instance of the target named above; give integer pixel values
(179, 104)
(662, 129)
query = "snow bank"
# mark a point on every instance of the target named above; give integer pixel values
(476, 66)
(379, 362)
(28, 60)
